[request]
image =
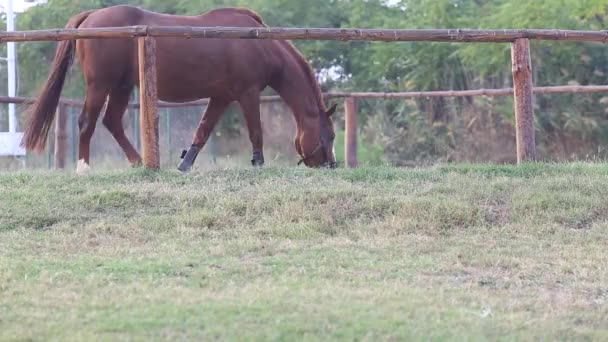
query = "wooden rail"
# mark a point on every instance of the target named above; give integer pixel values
(465, 93)
(341, 34)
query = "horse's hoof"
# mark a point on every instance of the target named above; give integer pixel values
(184, 167)
(257, 163)
(137, 164)
(258, 159)
(188, 158)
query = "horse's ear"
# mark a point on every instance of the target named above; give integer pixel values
(332, 110)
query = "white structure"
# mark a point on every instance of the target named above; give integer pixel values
(10, 141)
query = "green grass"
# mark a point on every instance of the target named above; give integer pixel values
(465, 252)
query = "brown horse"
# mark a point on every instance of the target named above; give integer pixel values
(188, 69)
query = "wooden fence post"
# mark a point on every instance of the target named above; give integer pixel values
(148, 102)
(524, 110)
(350, 134)
(61, 136)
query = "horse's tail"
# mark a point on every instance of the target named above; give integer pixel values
(42, 111)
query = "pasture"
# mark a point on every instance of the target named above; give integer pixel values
(444, 253)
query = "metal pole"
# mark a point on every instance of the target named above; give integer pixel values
(213, 148)
(350, 132)
(12, 74)
(49, 155)
(136, 127)
(73, 133)
(61, 136)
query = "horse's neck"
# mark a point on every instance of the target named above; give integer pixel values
(299, 94)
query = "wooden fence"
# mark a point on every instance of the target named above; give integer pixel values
(341, 34)
(519, 39)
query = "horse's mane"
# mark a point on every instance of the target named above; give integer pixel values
(297, 55)
(308, 71)
(251, 14)
(239, 10)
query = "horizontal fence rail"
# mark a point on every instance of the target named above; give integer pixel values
(589, 89)
(341, 34)
(465, 93)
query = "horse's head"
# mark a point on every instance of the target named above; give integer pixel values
(319, 151)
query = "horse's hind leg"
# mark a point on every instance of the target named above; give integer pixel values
(250, 105)
(95, 99)
(214, 111)
(117, 105)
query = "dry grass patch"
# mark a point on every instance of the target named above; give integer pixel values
(448, 253)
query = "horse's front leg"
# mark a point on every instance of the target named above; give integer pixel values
(250, 105)
(210, 118)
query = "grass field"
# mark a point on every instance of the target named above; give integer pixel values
(446, 253)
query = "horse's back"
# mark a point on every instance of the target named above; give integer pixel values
(126, 15)
(230, 13)
(188, 69)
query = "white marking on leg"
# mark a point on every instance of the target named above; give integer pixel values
(82, 168)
